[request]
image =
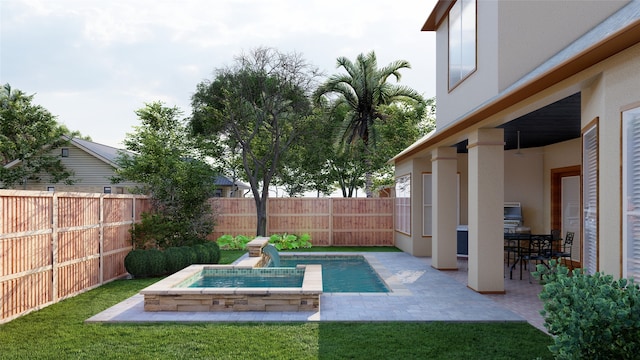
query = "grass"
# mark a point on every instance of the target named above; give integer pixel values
(59, 332)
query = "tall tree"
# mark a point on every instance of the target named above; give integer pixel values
(261, 104)
(162, 159)
(363, 89)
(28, 133)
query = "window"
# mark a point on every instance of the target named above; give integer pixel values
(403, 204)
(462, 41)
(631, 193)
(51, 188)
(217, 193)
(65, 152)
(590, 198)
(107, 189)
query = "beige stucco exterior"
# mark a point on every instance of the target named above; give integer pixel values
(526, 60)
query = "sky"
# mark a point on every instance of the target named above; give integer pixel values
(93, 63)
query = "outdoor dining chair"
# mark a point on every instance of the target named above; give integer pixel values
(539, 251)
(565, 250)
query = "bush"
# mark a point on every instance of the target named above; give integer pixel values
(203, 254)
(157, 262)
(214, 252)
(176, 258)
(137, 263)
(228, 242)
(290, 241)
(190, 253)
(591, 316)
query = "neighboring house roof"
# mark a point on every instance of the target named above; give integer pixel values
(102, 152)
(615, 34)
(225, 181)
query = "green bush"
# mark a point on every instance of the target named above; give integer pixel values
(591, 316)
(176, 258)
(215, 251)
(203, 254)
(137, 263)
(229, 242)
(190, 253)
(290, 241)
(157, 262)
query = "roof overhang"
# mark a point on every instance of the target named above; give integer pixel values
(438, 14)
(608, 46)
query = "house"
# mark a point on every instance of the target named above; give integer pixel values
(538, 107)
(94, 165)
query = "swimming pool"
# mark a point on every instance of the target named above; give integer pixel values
(341, 273)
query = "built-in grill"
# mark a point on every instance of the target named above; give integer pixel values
(513, 217)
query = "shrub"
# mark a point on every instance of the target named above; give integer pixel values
(157, 262)
(176, 258)
(203, 254)
(190, 254)
(228, 242)
(290, 241)
(215, 251)
(137, 263)
(591, 316)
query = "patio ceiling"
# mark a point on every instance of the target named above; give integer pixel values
(551, 124)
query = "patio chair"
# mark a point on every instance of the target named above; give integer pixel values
(539, 251)
(565, 250)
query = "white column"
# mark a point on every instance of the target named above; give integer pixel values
(486, 211)
(444, 206)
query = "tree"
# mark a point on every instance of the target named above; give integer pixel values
(363, 89)
(28, 133)
(179, 182)
(261, 104)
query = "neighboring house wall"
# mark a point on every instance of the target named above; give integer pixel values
(91, 174)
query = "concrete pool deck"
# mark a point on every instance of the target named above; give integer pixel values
(419, 293)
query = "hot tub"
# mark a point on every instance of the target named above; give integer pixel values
(175, 294)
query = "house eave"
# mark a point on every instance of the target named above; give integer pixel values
(623, 39)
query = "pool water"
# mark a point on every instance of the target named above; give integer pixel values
(256, 277)
(247, 281)
(341, 274)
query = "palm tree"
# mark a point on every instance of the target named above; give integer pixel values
(362, 89)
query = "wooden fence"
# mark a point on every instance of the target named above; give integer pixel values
(56, 245)
(329, 221)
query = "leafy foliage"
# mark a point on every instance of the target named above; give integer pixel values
(230, 242)
(290, 241)
(180, 183)
(260, 107)
(28, 133)
(363, 89)
(591, 316)
(153, 262)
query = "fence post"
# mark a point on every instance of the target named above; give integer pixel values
(54, 248)
(101, 240)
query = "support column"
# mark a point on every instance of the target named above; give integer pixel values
(444, 206)
(486, 211)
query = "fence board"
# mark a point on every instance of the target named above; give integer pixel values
(45, 259)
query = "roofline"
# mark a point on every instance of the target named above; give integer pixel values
(438, 14)
(607, 47)
(92, 153)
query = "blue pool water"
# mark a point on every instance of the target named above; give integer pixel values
(260, 277)
(341, 274)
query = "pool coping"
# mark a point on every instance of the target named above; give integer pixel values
(419, 293)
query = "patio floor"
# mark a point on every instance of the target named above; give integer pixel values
(419, 293)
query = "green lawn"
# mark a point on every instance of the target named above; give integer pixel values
(59, 332)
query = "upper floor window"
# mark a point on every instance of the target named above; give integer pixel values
(462, 41)
(65, 152)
